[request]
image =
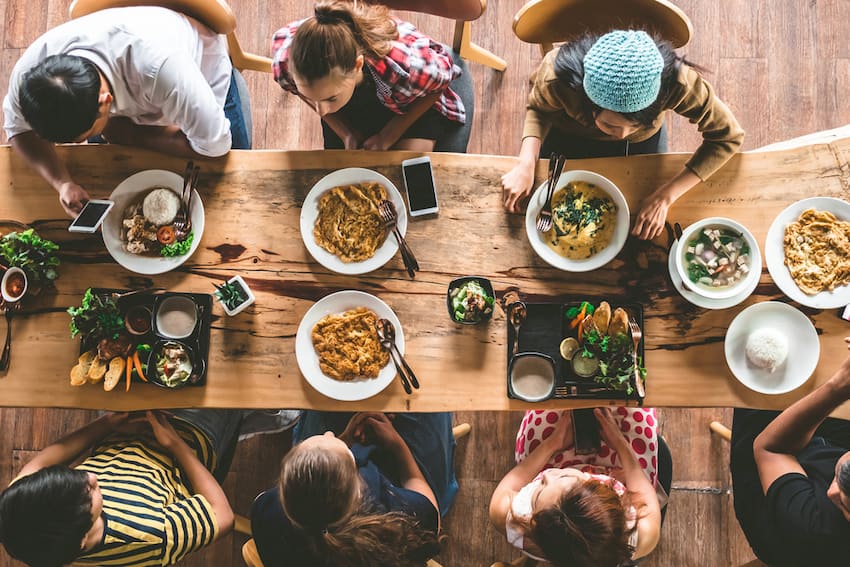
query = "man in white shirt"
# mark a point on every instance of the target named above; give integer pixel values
(142, 76)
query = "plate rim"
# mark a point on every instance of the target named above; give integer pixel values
(303, 337)
(774, 255)
(565, 264)
(309, 212)
(791, 311)
(159, 265)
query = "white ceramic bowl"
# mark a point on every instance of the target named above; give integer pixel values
(6, 276)
(720, 292)
(621, 231)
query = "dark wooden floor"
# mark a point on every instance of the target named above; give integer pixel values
(783, 66)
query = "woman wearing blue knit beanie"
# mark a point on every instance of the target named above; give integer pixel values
(608, 96)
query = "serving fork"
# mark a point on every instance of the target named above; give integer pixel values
(389, 215)
(544, 217)
(637, 334)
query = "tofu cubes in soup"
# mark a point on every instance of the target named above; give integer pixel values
(717, 257)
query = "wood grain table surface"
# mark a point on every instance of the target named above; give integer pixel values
(253, 202)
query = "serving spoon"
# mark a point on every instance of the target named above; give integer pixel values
(386, 335)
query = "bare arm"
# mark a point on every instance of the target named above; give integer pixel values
(41, 155)
(775, 448)
(199, 477)
(517, 183)
(340, 126)
(165, 139)
(398, 124)
(653, 211)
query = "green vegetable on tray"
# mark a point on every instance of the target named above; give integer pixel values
(33, 254)
(470, 302)
(97, 318)
(179, 248)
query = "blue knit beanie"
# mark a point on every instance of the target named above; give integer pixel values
(622, 71)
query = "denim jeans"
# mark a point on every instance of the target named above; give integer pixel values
(233, 112)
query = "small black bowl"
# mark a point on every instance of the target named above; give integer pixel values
(488, 289)
(197, 365)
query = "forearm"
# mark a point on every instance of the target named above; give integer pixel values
(68, 448)
(41, 155)
(529, 151)
(205, 484)
(410, 475)
(164, 139)
(683, 182)
(399, 124)
(525, 471)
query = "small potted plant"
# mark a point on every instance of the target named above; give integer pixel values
(234, 295)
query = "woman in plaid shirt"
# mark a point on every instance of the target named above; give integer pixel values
(376, 81)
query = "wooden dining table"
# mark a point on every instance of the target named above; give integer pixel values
(253, 202)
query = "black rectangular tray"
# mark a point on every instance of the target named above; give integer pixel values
(198, 341)
(544, 328)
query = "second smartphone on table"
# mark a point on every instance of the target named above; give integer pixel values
(419, 186)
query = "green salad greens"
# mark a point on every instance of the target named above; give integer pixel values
(470, 302)
(31, 253)
(178, 248)
(614, 353)
(97, 318)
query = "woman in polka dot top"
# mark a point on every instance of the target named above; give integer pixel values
(599, 509)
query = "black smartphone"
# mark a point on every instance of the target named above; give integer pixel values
(586, 431)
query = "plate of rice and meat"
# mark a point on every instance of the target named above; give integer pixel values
(139, 231)
(337, 346)
(772, 348)
(340, 223)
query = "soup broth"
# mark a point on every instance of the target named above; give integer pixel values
(532, 377)
(717, 257)
(583, 220)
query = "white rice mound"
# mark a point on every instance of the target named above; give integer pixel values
(767, 349)
(161, 206)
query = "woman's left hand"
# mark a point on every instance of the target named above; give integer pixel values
(562, 437)
(651, 217)
(610, 431)
(378, 142)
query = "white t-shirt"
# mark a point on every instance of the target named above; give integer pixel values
(165, 69)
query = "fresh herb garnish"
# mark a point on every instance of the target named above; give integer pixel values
(178, 248)
(33, 254)
(97, 318)
(573, 211)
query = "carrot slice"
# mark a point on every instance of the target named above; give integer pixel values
(137, 362)
(129, 372)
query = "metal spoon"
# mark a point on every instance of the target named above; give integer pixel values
(389, 345)
(517, 315)
(388, 330)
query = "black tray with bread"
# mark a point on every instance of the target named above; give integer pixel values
(147, 335)
(578, 349)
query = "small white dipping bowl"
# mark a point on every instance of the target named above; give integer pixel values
(6, 277)
(532, 371)
(720, 292)
(181, 310)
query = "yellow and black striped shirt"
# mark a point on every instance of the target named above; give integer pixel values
(150, 516)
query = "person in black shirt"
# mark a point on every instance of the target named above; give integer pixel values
(791, 478)
(370, 496)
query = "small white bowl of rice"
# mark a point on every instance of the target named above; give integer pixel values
(772, 348)
(159, 192)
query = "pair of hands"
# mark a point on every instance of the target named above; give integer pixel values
(518, 182)
(609, 431)
(372, 427)
(157, 422)
(377, 142)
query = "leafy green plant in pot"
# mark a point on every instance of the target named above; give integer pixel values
(234, 295)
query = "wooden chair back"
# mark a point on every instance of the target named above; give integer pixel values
(250, 555)
(550, 21)
(215, 14)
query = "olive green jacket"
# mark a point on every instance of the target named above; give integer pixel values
(551, 104)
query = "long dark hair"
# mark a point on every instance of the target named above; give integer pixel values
(587, 528)
(569, 69)
(45, 516)
(337, 34)
(321, 494)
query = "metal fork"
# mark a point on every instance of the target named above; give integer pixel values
(637, 334)
(544, 217)
(6, 357)
(183, 221)
(388, 214)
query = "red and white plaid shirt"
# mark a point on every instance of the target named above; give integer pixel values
(416, 66)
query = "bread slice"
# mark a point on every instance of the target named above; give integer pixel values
(96, 370)
(602, 317)
(619, 323)
(78, 377)
(114, 374)
(86, 359)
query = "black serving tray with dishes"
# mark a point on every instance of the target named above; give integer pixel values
(542, 331)
(134, 305)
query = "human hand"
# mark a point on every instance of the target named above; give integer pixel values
(354, 431)
(163, 430)
(516, 186)
(380, 430)
(610, 431)
(353, 140)
(378, 142)
(651, 217)
(841, 379)
(72, 197)
(562, 437)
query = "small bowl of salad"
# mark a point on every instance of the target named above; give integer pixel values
(717, 257)
(470, 300)
(172, 364)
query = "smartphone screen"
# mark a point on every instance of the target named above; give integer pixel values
(421, 193)
(91, 215)
(586, 431)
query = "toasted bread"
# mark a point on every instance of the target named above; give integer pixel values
(619, 323)
(114, 374)
(79, 373)
(78, 376)
(602, 317)
(96, 370)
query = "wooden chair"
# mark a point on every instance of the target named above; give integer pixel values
(549, 21)
(721, 430)
(521, 561)
(249, 551)
(215, 14)
(463, 12)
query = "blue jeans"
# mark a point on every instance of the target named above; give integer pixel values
(429, 436)
(233, 112)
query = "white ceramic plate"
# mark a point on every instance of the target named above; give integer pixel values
(774, 253)
(310, 210)
(621, 231)
(803, 347)
(701, 300)
(308, 360)
(128, 191)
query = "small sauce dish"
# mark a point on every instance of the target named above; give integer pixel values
(532, 376)
(14, 285)
(137, 321)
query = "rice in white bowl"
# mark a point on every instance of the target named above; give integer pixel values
(767, 349)
(161, 206)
